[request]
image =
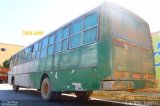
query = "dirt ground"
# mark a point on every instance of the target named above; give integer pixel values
(147, 94)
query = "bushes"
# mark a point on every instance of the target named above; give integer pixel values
(6, 64)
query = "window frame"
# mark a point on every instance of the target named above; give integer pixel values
(53, 34)
(67, 38)
(43, 43)
(96, 35)
(52, 44)
(76, 34)
(83, 30)
(36, 47)
(42, 51)
(81, 37)
(89, 15)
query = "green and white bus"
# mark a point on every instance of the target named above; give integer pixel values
(108, 48)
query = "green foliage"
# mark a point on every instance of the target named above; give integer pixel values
(1, 66)
(6, 63)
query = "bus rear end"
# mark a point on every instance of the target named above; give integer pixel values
(132, 52)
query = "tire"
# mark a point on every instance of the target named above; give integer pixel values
(14, 86)
(46, 91)
(83, 94)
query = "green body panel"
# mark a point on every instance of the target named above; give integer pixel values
(105, 49)
(79, 65)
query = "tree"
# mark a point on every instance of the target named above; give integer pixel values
(1, 66)
(6, 63)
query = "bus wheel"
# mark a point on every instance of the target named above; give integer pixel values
(83, 94)
(46, 91)
(14, 86)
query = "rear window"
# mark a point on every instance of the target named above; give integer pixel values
(127, 26)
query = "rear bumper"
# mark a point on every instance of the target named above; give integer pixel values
(128, 84)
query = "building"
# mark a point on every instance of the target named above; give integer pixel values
(156, 47)
(7, 50)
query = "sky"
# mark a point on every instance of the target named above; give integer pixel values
(20, 18)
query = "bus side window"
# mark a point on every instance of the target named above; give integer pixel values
(50, 50)
(58, 41)
(28, 57)
(15, 61)
(29, 50)
(75, 40)
(44, 47)
(90, 35)
(91, 20)
(12, 61)
(26, 54)
(32, 48)
(90, 27)
(26, 51)
(51, 44)
(23, 57)
(51, 39)
(43, 52)
(32, 53)
(65, 38)
(37, 55)
(19, 57)
(45, 42)
(39, 45)
(76, 33)
(35, 47)
(76, 26)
